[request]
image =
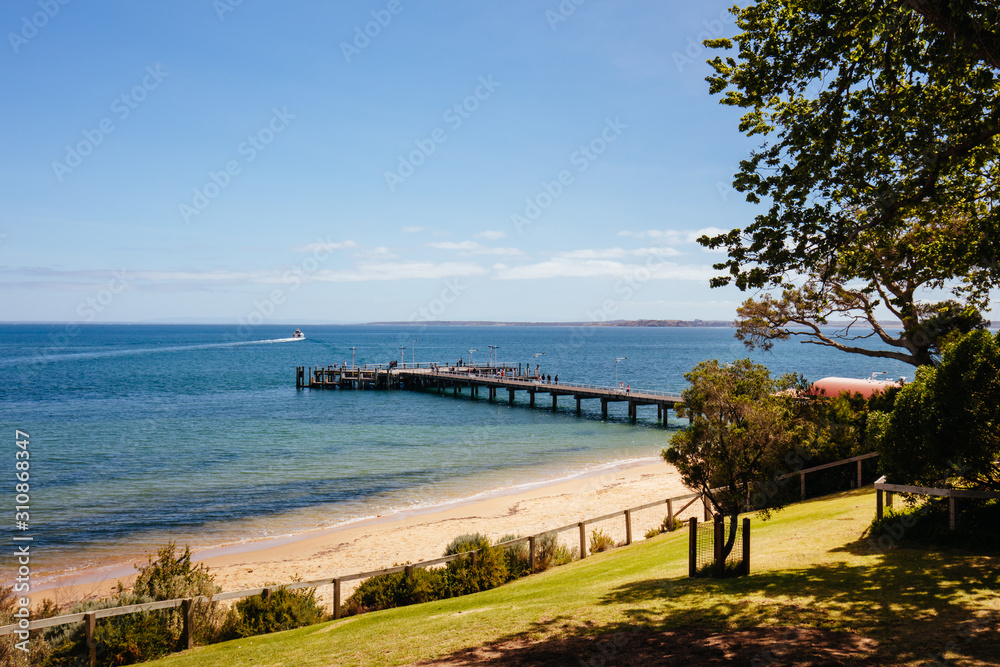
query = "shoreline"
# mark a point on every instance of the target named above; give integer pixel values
(408, 535)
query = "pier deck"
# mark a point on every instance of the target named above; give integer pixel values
(456, 379)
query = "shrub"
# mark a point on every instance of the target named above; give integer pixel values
(653, 532)
(171, 576)
(599, 541)
(928, 523)
(551, 553)
(489, 571)
(281, 610)
(669, 525)
(138, 637)
(121, 640)
(517, 558)
(397, 590)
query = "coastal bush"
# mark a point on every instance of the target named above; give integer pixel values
(282, 609)
(551, 552)
(465, 575)
(517, 557)
(138, 637)
(397, 590)
(120, 640)
(928, 524)
(666, 526)
(600, 541)
(942, 430)
(171, 576)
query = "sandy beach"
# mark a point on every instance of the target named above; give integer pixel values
(414, 536)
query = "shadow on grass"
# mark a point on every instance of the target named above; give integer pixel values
(916, 604)
(907, 606)
(650, 645)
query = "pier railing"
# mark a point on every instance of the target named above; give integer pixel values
(621, 527)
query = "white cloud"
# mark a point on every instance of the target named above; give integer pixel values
(673, 235)
(326, 245)
(491, 235)
(618, 253)
(410, 229)
(473, 248)
(398, 271)
(564, 266)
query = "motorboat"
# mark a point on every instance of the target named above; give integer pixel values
(298, 334)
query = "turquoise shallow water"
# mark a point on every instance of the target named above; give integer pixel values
(140, 434)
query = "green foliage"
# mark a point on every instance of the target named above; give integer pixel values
(387, 591)
(881, 138)
(600, 541)
(489, 571)
(551, 553)
(517, 558)
(282, 610)
(876, 116)
(121, 640)
(172, 575)
(943, 429)
(741, 430)
(132, 638)
(928, 524)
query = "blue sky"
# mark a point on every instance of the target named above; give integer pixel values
(365, 161)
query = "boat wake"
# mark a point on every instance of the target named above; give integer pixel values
(54, 355)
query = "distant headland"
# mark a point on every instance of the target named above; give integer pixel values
(609, 323)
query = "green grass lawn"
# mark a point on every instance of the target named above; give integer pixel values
(810, 569)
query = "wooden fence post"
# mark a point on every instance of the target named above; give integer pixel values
(409, 572)
(187, 632)
(860, 478)
(531, 554)
(628, 526)
(888, 498)
(336, 599)
(746, 545)
(693, 546)
(952, 513)
(670, 514)
(720, 564)
(583, 540)
(802, 486)
(704, 502)
(90, 622)
(475, 559)
(878, 504)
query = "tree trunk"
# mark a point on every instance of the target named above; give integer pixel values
(727, 548)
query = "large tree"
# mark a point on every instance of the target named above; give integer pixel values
(879, 166)
(741, 431)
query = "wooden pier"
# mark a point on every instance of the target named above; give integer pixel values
(493, 379)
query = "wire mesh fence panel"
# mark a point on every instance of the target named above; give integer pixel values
(607, 534)
(705, 550)
(648, 522)
(735, 556)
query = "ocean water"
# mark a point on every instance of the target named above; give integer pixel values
(140, 434)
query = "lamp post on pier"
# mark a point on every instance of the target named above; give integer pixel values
(413, 353)
(493, 349)
(617, 360)
(475, 349)
(402, 355)
(352, 356)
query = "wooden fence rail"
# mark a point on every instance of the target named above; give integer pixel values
(882, 487)
(187, 604)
